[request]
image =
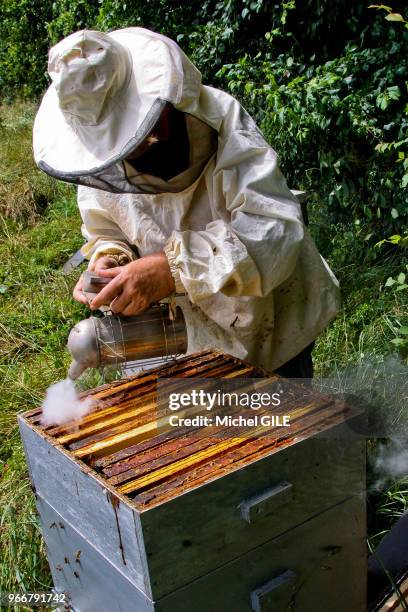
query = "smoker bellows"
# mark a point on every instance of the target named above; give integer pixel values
(145, 518)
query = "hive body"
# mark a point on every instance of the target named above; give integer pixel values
(140, 517)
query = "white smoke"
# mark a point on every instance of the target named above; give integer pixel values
(378, 386)
(391, 461)
(62, 404)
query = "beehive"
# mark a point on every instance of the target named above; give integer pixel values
(137, 516)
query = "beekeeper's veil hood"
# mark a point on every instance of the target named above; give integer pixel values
(108, 92)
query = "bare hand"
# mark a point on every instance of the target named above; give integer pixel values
(78, 293)
(137, 285)
(103, 263)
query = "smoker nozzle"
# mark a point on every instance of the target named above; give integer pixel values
(83, 346)
(75, 370)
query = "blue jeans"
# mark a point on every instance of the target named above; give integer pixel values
(300, 366)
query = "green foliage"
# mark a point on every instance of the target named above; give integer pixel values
(69, 16)
(23, 46)
(390, 14)
(397, 284)
(337, 126)
(337, 118)
(369, 317)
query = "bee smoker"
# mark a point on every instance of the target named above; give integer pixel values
(115, 339)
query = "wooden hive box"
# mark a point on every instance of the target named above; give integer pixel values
(139, 517)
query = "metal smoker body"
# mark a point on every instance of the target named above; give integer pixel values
(113, 339)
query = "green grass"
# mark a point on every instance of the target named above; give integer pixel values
(355, 355)
(37, 312)
(24, 192)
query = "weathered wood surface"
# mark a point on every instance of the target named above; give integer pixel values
(126, 460)
(391, 602)
(130, 442)
(116, 389)
(180, 491)
(328, 575)
(80, 570)
(127, 436)
(327, 554)
(243, 437)
(204, 528)
(98, 513)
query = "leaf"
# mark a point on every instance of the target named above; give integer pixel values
(394, 92)
(394, 213)
(390, 282)
(403, 330)
(401, 278)
(3, 288)
(394, 239)
(398, 341)
(382, 101)
(380, 6)
(394, 17)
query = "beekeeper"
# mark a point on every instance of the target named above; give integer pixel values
(179, 193)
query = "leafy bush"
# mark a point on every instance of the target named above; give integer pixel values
(338, 117)
(23, 46)
(330, 122)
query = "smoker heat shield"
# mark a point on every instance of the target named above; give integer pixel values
(113, 339)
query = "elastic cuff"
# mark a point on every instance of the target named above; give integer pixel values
(116, 252)
(121, 258)
(169, 250)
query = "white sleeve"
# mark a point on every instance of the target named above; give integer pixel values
(103, 236)
(253, 247)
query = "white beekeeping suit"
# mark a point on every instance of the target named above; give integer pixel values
(254, 284)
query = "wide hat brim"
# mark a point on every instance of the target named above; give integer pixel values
(63, 146)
